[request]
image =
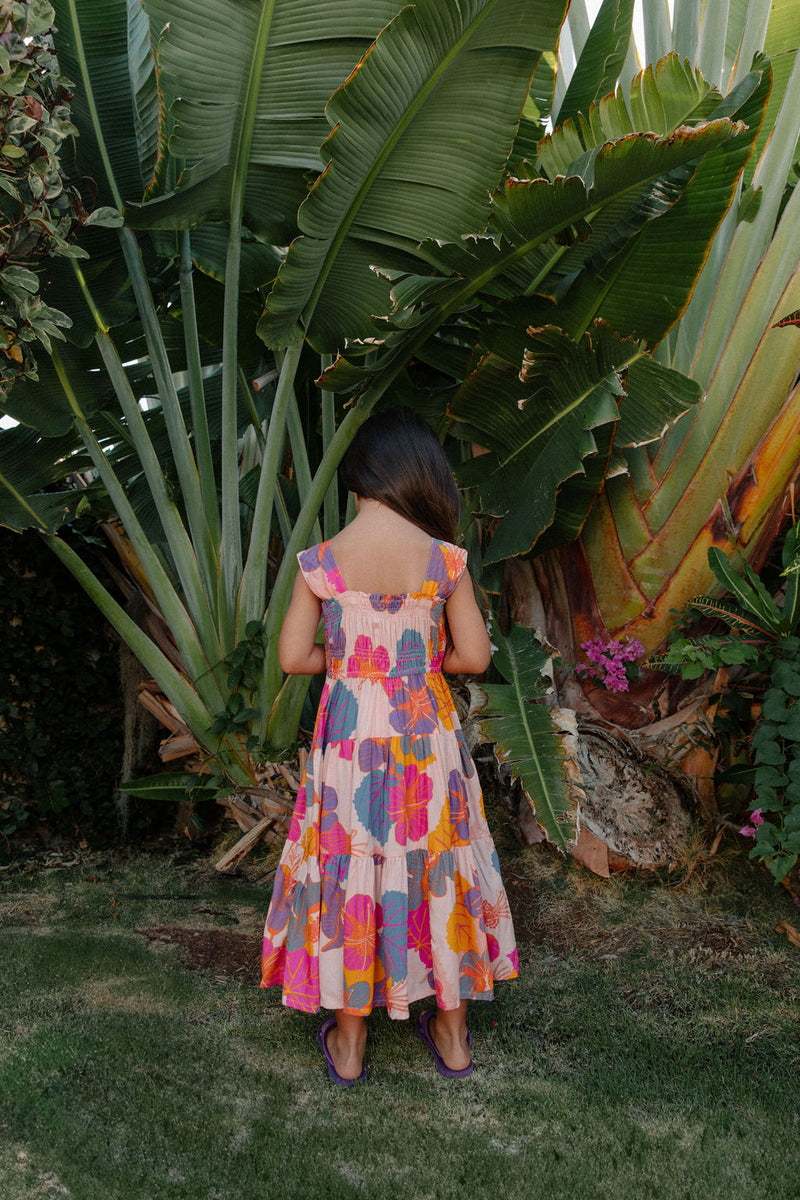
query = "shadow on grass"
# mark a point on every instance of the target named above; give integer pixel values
(666, 1068)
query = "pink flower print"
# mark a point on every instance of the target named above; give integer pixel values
(409, 800)
(419, 933)
(359, 934)
(299, 811)
(366, 662)
(301, 981)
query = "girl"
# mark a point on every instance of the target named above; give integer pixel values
(388, 888)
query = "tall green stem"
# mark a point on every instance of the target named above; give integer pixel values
(253, 593)
(181, 626)
(331, 507)
(173, 417)
(231, 551)
(281, 592)
(202, 438)
(302, 469)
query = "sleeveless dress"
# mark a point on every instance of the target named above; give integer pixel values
(388, 887)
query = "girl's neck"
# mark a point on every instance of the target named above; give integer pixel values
(380, 551)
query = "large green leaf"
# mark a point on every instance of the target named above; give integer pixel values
(273, 67)
(523, 732)
(665, 96)
(565, 391)
(92, 39)
(406, 159)
(26, 469)
(601, 59)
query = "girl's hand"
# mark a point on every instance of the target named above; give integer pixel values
(298, 653)
(471, 651)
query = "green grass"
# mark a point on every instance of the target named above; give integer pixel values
(649, 1051)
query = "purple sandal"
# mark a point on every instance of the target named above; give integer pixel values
(322, 1041)
(421, 1030)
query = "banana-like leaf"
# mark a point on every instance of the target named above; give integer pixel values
(522, 730)
(406, 159)
(600, 60)
(26, 469)
(781, 43)
(665, 96)
(617, 282)
(566, 391)
(625, 191)
(94, 34)
(145, 95)
(288, 57)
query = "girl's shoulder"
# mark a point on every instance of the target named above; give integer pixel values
(319, 569)
(448, 563)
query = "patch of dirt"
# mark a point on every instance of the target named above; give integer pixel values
(237, 955)
(569, 925)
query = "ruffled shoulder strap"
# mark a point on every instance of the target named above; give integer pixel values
(320, 571)
(448, 563)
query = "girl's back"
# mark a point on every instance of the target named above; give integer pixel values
(381, 552)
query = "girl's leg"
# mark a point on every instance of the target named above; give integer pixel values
(346, 1044)
(449, 1032)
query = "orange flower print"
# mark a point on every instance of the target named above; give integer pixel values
(476, 976)
(413, 705)
(461, 929)
(462, 924)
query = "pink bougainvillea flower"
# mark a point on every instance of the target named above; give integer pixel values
(747, 831)
(756, 818)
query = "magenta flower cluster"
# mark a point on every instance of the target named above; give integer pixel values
(610, 662)
(756, 819)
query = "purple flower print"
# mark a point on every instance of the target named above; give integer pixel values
(389, 604)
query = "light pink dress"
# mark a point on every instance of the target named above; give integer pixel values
(388, 888)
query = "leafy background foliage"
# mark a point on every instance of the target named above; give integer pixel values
(38, 212)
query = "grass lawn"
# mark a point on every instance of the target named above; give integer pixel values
(649, 1051)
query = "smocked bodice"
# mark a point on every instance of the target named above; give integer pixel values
(384, 652)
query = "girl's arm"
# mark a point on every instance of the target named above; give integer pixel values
(297, 652)
(471, 651)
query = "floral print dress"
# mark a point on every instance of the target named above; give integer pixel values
(388, 888)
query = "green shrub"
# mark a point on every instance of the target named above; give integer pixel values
(761, 640)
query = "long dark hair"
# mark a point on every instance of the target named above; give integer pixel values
(396, 458)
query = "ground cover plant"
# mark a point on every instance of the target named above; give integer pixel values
(648, 1049)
